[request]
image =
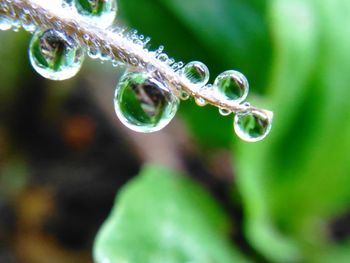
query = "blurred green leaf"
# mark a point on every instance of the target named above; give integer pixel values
(209, 128)
(164, 217)
(13, 51)
(234, 32)
(297, 180)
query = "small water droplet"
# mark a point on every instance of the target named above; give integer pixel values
(55, 55)
(150, 67)
(144, 103)
(246, 104)
(252, 126)
(224, 112)
(184, 95)
(146, 41)
(106, 53)
(5, 23)
(134, 61)
(93, 53)
(159, 50)
(98, 12)
(116, 63)
(29, 27)
(163, 57)
(86, 37)
(171, 61)
(232, 85)
(200, 101)
(196, 73)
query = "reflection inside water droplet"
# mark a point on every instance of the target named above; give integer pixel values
(252, 126)
(196, 73)
(232, 85)
(144, 103)
(98, 12)
(54, 55)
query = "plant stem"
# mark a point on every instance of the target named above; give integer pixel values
(44, 14)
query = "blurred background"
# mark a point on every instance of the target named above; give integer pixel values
(192, 192)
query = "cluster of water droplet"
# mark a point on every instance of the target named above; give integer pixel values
(230, 87)
(144, 101)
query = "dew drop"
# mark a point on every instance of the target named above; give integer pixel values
(29, 27)
(93, 53)
(143, 103)
(224, 112)
(54, 55)
(232, 85)
(196, 73)
(200, 101)
(116, 63)
(163, 57)
(134, 61)
(184, 95)
(252, 126)
(5, 23)
(101, 13)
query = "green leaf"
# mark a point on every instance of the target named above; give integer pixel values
(297, 180)
(163, 217)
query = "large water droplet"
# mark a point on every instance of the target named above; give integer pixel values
(252, 126)
(196, 73)
(98, 12)
(5, 23)
(54, 55)
(144, 103)
(232, 85)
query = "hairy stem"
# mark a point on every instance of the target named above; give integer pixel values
(44, 14)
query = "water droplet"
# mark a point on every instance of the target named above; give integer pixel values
(86, 37)
(196, 73)
(134, 61)
(116, 63)
(163, 57)
(5, 23)
(93, 53)
(200, 101)
(159, 51)
(232, 85)
(54, 55)
(224, 112)
(143, 103)
(184, 95)
(252, 126)
(98, 12)
(29, 27)
(171, 61)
